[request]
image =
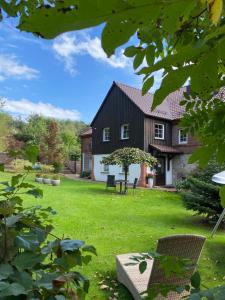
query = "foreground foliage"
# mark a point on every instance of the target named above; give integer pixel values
(34, 263)
(171, 266)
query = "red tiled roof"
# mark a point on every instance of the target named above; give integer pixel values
(165, 149)
(169, 109)
(86, 132)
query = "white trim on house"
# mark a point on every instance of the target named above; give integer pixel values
(179, 138)
(105, 134)
(163, 131)
(169, 173)
(123, 131)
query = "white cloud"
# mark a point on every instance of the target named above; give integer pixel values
(25, 107)
(10, 67)
(68, 46)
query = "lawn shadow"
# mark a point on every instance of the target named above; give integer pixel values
(216, 252)
(110, 287)
(170, 221)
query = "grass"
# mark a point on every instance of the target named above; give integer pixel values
(117, 224)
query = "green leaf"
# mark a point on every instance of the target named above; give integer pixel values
(150, 55)
(27, 260)
(14, 289)
(12, 220)
(2, 167)
(71, 245)
(171, 82)
(196, 280)
(147, 85)
(222, 196)
(130, 51)
(46, 280)
(50, 247)
(86, 259)
(116, 33)
(36, 192)
(142, 266)
(89, 248)
(15, 179)
(26, 185)
(202, 155)
(5, 271)
(27, 241)
(23, 278)
(138, 59)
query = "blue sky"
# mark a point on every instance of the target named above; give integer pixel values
(67, 77)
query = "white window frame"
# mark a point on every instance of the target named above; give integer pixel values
(104, 134)
(122, 132)
(163, 131)
(106, 168)
(179, 138)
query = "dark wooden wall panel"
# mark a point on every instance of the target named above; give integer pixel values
(150, 134)
(117, 110)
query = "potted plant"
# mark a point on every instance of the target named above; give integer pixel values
(39, 178)
(150, 179)
(46, 179)
(55, 180)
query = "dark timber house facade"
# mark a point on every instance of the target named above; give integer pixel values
(125, 119)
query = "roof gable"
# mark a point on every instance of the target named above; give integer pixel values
(169, 109)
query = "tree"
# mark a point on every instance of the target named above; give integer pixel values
(127, 156)
(5, 130)
(200, 194)
(185, 40)
(52, 144)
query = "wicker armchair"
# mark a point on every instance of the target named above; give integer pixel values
(183, 246)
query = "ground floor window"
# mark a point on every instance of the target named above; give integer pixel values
(106, 168)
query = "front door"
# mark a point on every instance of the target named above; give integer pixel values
(161, 171)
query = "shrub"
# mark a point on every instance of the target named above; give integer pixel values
(46, 176)
(47, 168)
(205, 174)
(58, 167)
(39, 175)
(55, 177)
(200, 194)
(18, 165)
(34, 263)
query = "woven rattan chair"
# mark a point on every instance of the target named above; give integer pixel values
(183, 246)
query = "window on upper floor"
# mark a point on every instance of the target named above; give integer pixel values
(125, 131)
(183, 137)
(159, 131)
(106, 134)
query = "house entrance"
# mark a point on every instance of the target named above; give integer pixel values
(161, 171)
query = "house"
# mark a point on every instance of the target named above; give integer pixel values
(125, 119)
(86, 150)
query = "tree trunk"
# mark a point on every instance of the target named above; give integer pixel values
(125, 177)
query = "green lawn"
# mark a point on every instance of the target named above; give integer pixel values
(117, 224)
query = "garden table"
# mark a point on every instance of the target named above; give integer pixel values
(121, 181)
